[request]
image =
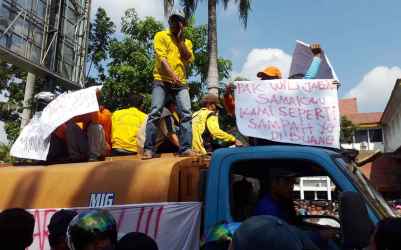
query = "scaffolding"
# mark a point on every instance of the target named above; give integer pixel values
(46, 37)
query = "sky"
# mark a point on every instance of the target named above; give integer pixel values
(361, 38)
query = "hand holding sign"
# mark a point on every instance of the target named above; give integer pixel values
(315, 48)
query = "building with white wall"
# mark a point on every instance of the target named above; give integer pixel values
(315, 188)
(369, 133)
(391, 121)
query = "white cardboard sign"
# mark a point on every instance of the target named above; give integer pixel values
(34, 141)
(291, 111)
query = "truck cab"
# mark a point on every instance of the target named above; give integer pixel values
(237, 177)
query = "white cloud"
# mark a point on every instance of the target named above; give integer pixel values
(116, 8)
(258, 59)
(375, 88)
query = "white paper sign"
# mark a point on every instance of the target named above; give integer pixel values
(291, 111)
(171, 225)
(34, 141)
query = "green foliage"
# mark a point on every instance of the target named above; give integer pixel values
(5, 153)
(99, 40)
(12, 88)
(347, 130)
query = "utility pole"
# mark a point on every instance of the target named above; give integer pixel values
(27, 104)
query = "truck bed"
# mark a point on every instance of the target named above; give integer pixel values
(118, 180)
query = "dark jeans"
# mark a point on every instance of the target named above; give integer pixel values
(181, 95)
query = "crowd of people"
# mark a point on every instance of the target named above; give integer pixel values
(90, 230)
(170, 127)
(306, 207)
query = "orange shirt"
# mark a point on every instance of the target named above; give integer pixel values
(103, 117)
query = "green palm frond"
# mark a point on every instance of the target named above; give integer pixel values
(189, 7)
(244, 7)
(168, 6)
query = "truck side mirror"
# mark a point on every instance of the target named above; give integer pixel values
(356, 225)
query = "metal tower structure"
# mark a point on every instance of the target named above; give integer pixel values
(48, 38)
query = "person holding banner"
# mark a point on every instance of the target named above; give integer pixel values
(85, 136)
(173, 55)
(206, 129)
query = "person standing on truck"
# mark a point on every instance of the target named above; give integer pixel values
(205, 127)
(173, 55)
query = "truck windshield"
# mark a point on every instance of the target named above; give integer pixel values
(367, 190)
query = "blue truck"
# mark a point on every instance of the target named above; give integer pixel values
(228, 184)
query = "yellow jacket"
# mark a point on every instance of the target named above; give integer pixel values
(201, 120)
(166, 48)
(126, 123)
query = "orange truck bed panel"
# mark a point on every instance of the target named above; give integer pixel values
(128, 179)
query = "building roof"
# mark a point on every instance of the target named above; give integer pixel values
(348, 106)
(365, 118)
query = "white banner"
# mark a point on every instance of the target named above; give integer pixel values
(291, 111)
(171, 225)
(33, 142)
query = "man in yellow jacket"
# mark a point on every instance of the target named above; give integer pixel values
(205, 127)
(173, 55)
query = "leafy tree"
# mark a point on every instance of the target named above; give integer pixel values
(12, 88)
(100, 34)
(347, 130)
(5, 153)
(244, 6)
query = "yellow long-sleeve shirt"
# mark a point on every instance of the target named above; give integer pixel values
(126, 123)
(166, 48)
(201, 120)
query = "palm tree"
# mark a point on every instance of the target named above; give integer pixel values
(244, 6)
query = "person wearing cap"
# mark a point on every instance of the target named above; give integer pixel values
(205, 126)
(270, 73)
(173, 55)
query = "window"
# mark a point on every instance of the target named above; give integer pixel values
(376, 135)
(251, 181)
(361, 135)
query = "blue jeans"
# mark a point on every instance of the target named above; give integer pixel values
(181, 95)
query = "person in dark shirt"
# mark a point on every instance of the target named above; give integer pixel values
(277, 200)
